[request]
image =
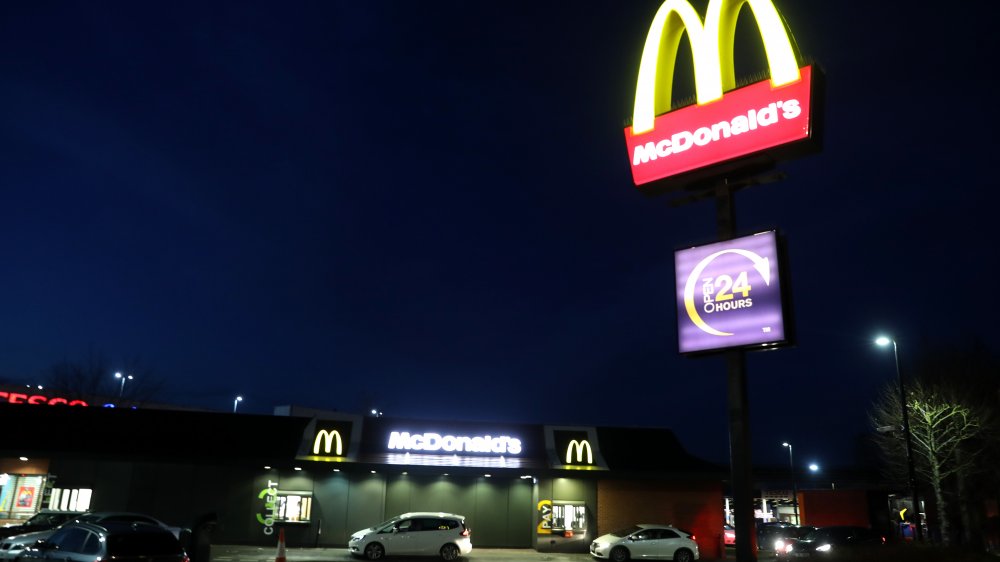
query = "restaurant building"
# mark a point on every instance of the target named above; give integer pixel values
(322, 475)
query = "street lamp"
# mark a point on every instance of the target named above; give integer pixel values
(236, 401)
(795, 491)
(121, 391)
(884, 341)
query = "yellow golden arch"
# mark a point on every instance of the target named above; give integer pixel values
(712, 51)
(328, 438)
(579, 447)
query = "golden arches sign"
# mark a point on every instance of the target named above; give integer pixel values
(328, 438)
(579, 447)
(712, 51)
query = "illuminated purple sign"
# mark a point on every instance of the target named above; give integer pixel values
(729, 294)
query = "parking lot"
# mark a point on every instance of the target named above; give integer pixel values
(231, 553)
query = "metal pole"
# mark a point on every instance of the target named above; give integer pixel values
(739, 416)
(795, 488)
(909, 444)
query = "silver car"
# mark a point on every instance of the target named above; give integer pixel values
(646, 542)
(418, 533)
(120, 541)
(12, 548)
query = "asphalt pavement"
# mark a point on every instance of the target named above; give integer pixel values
(233, 553)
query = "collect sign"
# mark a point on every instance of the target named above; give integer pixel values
(729, 294)
(727, 123)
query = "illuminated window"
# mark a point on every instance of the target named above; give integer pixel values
(569, 517)
(70, 499)
(294, 507)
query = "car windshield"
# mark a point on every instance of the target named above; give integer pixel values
(386, 523)
(626, 531)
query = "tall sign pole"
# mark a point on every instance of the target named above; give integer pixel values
(740, 465)
(729, 294)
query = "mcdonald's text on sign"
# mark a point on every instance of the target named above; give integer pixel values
(727, 123)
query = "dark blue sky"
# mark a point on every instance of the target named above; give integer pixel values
(427, 207)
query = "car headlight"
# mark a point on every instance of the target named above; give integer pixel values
(823, 548)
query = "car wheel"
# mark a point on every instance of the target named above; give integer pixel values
(449, 552)
(683, 555)
(619, 554)
(374, 551)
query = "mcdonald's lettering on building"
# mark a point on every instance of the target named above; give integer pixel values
(768, 120)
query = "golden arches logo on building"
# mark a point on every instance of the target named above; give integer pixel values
(579, 447)
(712, 51)
(328, 438)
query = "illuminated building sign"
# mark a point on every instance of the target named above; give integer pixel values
(579, 447)
(729, 294)
(435, 443)
(727, 123)
(326, 440)
(573, 448)
(19, 398)
(270, 497)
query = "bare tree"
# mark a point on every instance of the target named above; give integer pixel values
(93, 380)
(940, 426)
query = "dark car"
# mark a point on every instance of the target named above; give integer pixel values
(776, 538)
(120, 541)
(842, 539)
(45, 519)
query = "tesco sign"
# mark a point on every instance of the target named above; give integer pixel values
(21, 398)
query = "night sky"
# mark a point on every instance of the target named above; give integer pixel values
(426, 208)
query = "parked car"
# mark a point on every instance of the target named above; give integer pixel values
(126, 516)
(121, 541)
(418, 533)
(646, 542)
(44, 519)
(836, 539)
(11, 548)
(729, 534)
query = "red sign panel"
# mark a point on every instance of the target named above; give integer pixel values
(745, 121)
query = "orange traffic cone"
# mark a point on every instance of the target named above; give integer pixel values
(281, 547)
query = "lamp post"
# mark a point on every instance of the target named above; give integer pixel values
(795, 490)
(884, 341)
(236, 402)
(121, 390)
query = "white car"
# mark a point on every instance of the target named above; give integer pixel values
(418, 533)
(646, 542)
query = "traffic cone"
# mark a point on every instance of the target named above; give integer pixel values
(281, 547)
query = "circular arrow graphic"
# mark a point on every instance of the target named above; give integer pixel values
(761, 264)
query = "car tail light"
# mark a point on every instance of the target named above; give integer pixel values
(465, 532)
(694, 538)
(186, 558)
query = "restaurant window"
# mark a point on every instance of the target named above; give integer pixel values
(70, 499)
(294, 507)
